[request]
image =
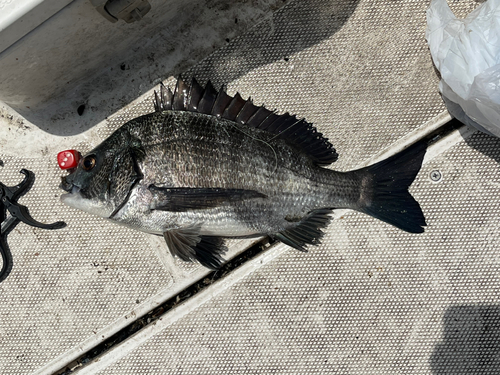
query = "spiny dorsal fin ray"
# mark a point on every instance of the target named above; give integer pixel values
(163, 102)
(234, 108)
(246, 112)
(221, 102)
(195, 98)
(195, 94)
(181, 96)
(258, 117)
(208, 99)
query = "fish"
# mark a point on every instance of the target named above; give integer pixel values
(206, 166)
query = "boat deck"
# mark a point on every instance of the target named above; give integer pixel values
(371, 299)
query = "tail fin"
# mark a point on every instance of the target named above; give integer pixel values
(386, 195)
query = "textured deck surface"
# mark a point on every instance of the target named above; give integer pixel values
(371, 299)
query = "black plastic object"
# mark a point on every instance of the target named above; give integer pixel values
(8, 202)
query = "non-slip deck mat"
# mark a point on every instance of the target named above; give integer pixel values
(361, 72)
(370, 300)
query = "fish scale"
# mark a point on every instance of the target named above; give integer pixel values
(206, 146)
(234, 170)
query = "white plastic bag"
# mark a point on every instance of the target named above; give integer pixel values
(467, 54)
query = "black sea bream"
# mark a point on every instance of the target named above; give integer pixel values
(206, 166)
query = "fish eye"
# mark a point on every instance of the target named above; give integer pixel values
(88, 163)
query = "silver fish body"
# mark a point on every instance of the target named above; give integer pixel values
(196, 178)
(184, 149)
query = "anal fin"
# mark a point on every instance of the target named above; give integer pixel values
(307, 231)
(188, 245)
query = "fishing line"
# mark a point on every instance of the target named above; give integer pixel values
(266, 143)
(277, 135)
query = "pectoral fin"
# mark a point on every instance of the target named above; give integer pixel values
(187, 244)
(184, 199)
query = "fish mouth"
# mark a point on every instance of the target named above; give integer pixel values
(75, 199)
(68, 186)
(72, 197)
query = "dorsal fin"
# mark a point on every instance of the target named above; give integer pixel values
(195, 94)
(181, 96)
(195, 98)
(163, 102)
